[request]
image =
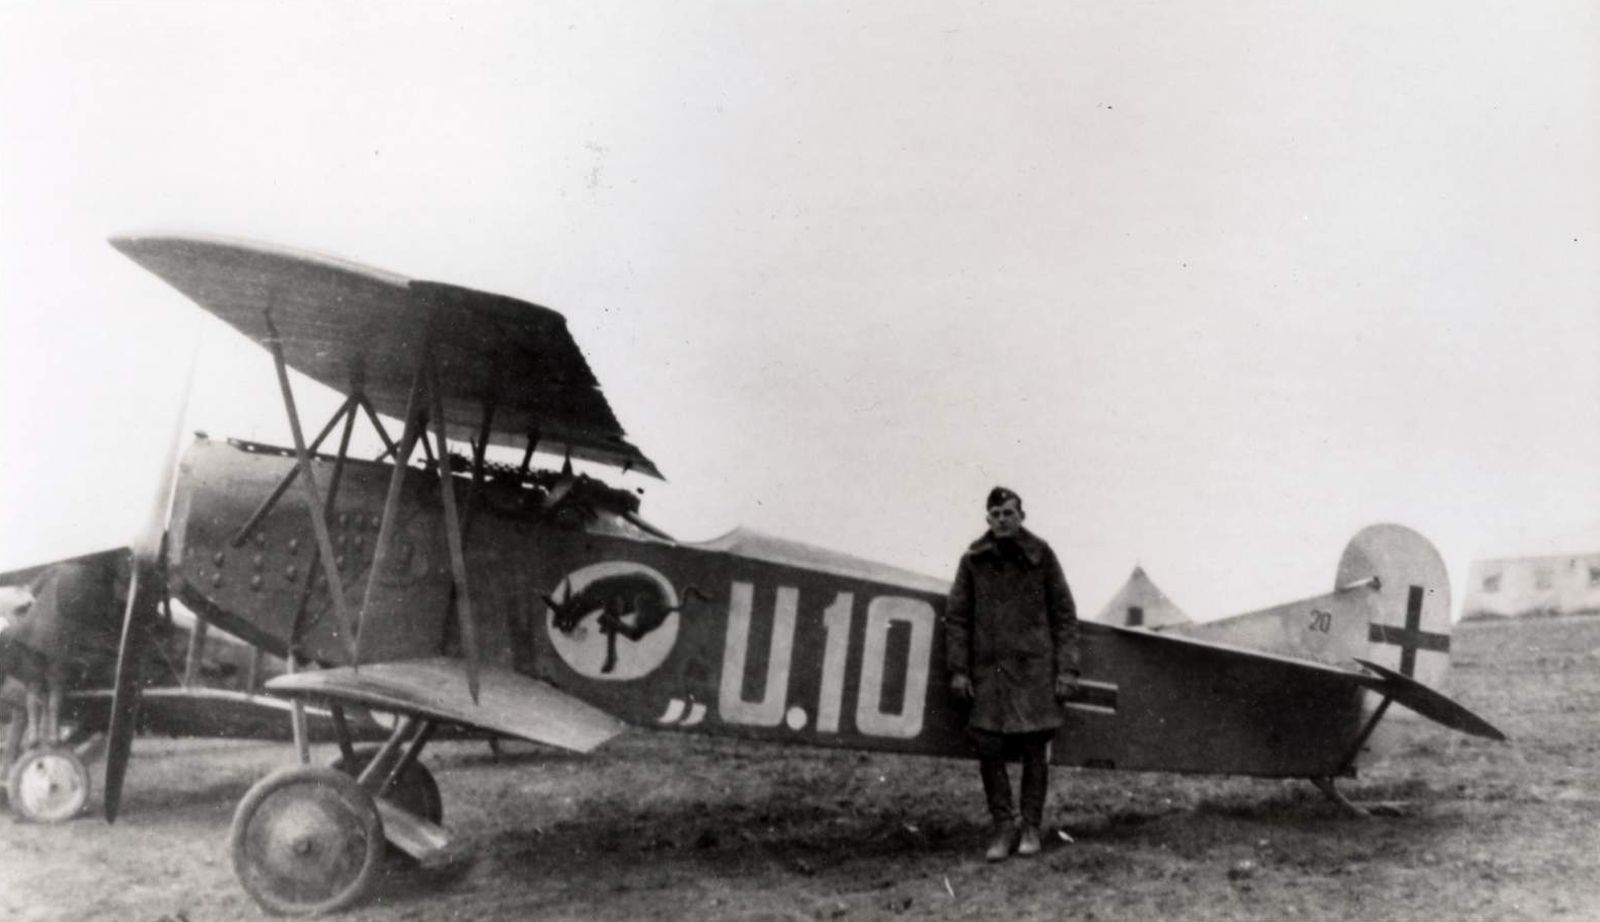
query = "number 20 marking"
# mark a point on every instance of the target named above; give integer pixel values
(883, 612)
(1321, 621)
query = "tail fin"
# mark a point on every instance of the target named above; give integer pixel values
(1390, 612)
(1410, 624)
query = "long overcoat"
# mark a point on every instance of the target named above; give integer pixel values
(1011, 626)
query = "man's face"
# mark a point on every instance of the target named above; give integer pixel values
(1005, 520)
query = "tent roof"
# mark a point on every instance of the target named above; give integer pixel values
(1141, 592)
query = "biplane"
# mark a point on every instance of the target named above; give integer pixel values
(531, 601)
(59, 635)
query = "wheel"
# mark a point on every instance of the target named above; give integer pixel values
(306, 841)
(414, 791)
(48, 784)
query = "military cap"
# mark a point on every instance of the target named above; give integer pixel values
(998, 497)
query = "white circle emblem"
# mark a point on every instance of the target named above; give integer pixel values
(613, 621)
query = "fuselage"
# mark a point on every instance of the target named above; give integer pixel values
(746, 635)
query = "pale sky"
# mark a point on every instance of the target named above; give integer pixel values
(1211, 285)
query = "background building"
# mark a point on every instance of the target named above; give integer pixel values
(1521, 586)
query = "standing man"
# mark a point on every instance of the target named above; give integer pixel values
(1011, 641)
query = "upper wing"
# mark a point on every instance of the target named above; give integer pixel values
(342, 323)
(509, 703)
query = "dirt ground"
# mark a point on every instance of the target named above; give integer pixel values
(673, 827)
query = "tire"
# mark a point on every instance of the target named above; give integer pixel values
(48, 784)
(306, 841)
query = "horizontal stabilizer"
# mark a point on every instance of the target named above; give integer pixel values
(1430, 704)
(1383, 680)
(509, 703)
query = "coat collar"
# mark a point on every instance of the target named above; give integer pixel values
(1032, 547)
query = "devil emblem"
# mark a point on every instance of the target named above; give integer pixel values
(626, 600)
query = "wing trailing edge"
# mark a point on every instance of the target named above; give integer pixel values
(351, 326)
(509, 703)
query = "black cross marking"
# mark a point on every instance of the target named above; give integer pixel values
(1412, 637)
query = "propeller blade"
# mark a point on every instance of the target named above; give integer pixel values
(136, 621)
(144, 596)
(147, 545)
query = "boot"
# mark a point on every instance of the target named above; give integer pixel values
(1035, 783)
(1002, 842)
(997, 790)
(1028, 843)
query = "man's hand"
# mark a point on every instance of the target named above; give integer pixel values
(961, 686)
(1066, 687)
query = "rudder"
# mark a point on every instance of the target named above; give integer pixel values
(1409, 630)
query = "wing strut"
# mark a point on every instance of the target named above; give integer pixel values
(297, 626)
(288, 478)
(479, 451)
(391, 504)
(452, 533)
(427, 447)
(308, 480)
(389, 446)
(421, 408)
(527, 455)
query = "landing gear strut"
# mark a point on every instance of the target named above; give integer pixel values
(414, 789)
(307, 841)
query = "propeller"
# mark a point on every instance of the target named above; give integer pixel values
(146, 590)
